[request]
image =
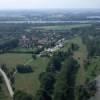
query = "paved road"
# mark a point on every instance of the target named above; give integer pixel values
(97, 95)
(7, 82)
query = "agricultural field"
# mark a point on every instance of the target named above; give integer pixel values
(23, 49)
(62, 27)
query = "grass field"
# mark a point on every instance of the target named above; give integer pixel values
(80, 55)
(13, 59)
(62, 27)
(26, 82)
(4, 94)
(24, 49)
(30, 82)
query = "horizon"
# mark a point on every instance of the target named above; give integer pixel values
(52, 9)
(48, 4)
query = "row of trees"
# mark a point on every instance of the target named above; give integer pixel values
(20, 95)
(24, 69)
(65, 83)
(87, 90)
(6, 46)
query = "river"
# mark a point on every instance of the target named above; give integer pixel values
(33, 22)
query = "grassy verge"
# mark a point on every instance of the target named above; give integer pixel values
(4, 94)
(30, 82)
(80, 55)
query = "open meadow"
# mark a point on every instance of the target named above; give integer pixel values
(62, 27)
(28, 82)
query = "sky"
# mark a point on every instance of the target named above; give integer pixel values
(47, 4)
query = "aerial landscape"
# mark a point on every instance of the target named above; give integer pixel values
(49, 50)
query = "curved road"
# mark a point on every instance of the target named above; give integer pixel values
(8, 84)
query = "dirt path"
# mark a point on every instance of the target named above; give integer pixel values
(80, 55)
(7, 82)
(28, 62)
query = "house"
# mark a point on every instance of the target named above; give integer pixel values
(25, 42)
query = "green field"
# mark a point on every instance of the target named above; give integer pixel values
(23, 49)
(62, 27)
(80, 55)
(26, 82)
(13, 59)
(4, 94)
(86, 71)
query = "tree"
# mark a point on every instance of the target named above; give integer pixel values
(34, 56)
(65, 84)
(74, 47)
(24, 69)
(47, 81)
(43, 95)
(20, 95)
(1, 80)
(56, 61)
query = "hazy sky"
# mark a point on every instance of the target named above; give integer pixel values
(37, 4)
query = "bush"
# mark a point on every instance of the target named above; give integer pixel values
(19, 95)
(24, 69)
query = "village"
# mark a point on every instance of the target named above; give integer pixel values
(47, 45)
